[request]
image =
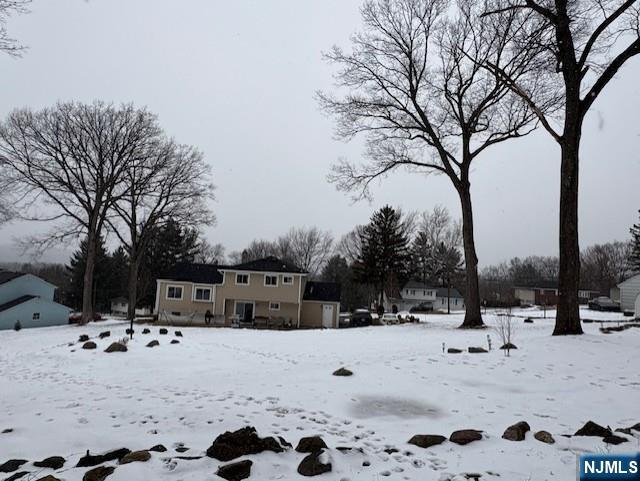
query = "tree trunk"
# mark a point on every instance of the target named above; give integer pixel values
(132, 287)
(87, 287)
(568, 315)
(472, 316)
(449, 297)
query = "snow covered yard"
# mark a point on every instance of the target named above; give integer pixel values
(62, 400)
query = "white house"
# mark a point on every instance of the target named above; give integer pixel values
(414, 294)
(630, 295)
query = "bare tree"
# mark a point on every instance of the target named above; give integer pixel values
(603, 266)
(67, 164)
(504, 328)
(416, 89)
(170, 182)
(8, 44)
(350, 245)
(210, 253)
(307, 248)
(584, 45)
(259, 249)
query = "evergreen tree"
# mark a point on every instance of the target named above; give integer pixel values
(634, 258)
(354, 294)
(421, 254)
(385, 255)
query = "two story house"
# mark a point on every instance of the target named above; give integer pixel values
(268, 292)
(414, 294)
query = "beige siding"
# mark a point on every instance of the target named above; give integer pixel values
(187, 307)
(311, 315)
(256, 290)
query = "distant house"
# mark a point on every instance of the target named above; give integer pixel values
(267, 292)
(630, 295)
(28, 300)
(417, 294)
(546, 294)
(120, 307)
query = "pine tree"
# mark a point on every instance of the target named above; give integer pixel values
(634, 258)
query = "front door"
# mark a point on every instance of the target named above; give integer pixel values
(327, 315)
(244, 311)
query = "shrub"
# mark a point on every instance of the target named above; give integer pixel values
(17, 326)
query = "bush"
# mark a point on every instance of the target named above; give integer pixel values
(17, 326)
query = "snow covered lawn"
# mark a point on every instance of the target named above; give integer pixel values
(61, 400)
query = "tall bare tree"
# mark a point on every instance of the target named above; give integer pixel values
(169, 183)
(68, 164)
(584, 45)
(7, 8)
(307, 248)
(415, 87)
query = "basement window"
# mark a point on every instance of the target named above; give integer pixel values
(36, 316)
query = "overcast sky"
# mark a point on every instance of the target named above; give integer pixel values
(237, 80)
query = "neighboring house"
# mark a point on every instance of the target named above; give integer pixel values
(27, 299)
(415, 294)
(630, 295)
(120, 307)
(547, 295)
(445, 298)
(268, 291)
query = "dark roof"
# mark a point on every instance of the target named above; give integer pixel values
(417, 285)
(198, 273)
(6, 276)
(268, 264)
(322, 291)
(443, 292)
(15, 302)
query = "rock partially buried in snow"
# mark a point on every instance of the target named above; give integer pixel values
(509, 346)
(83, 338)
(17, 476)
(116, 347)
(158, 448)
(517, 431)
(153, 343)
(635, 427)
(544, 437)
(7, 431)
(53, 462)
(89, 345)
(178, 334)
(454, 350)
(164, 331)
(105, 334)
(235, 471)
(89, 460)
(146, 330)
(174, 341)
(426, 440)
(343, 372)
(315, 464)
(615, 440)
(465, 436)
(48, 478)
(477, 350)
(136, 457)
(311, 444)
(231, 445)
(98, 474)
(593, 429)
(11, 465)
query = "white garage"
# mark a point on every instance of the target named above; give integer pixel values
(630, 295)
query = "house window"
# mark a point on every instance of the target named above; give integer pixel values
(242, 279)
(174, 292)
(274, 306)
(287, 280)
(271, 281)
(36, 316)
(202, 294)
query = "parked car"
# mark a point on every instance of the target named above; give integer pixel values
(344, 320)
(360, 318)
(604, 304)
(76, 317)
(424, 307)
(390, 318)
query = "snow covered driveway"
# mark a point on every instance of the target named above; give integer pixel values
(62, 400)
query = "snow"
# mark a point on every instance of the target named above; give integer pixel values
(62, 400)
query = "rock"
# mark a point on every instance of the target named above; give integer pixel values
(174, 341)
(366, 463)
(7, 431)
(544, 437)
(391, 450)
(129, 331)
(94, 459)
(453, 350)
(314, 464)
(105, 334)
(427, 440)
(311, 444)
(342, 372)
(17, 475)
(116, 347)
(477, 350)
(48, 478)
(98, 474)
(178, 334)
(231, 445)
(635, 427)
(465, 436)
(153, 343)
(136, 457)
(182, 449)
(473, 476)
(11, 465)
(615, 440)
(53, 462)
(163, 331)
(593, 429)
(146, 330)
(528, 320)
(158, 448)
(509, 346)
(516, 432)
(235, 471)
(83, 338)
(89, 345)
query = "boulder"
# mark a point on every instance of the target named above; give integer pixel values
(11, 465)
(635, 427)
(465, 436)
(615, 440)
(182, 449)
(105, 334)
(174, 341)
(53, 462)
(343, 372)
(544, 437)
(83, 338)
(454, 350)
(231, 445)
(314, 464)
(164, 331)
(129, 331)
(311, 444)
(48, 478)
(477, 350)
(7, 431)
(516, 432)
(509, 346)
(89, 460)
(153, 343)
(426, 440)
(593, 429)
(146, 330)
(17, 475)
(158, 448)
(116, 347)
(98, 474)
(136, 457)
(235, 471)
(89, 345)
(178, 334)
(528, 320)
